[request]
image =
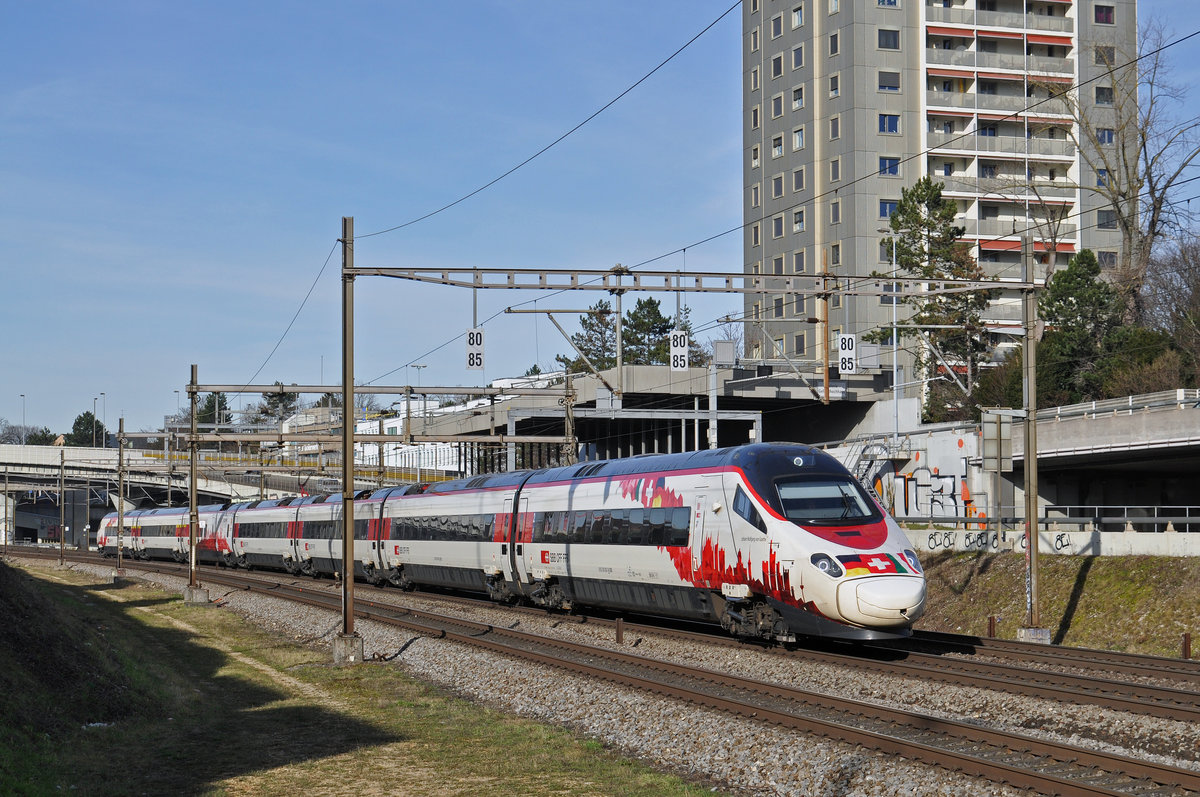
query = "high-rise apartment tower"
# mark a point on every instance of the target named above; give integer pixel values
(846, 102)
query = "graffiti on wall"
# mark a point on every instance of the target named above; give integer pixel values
(927, 492)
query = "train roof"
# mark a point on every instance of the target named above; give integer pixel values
(747, 457)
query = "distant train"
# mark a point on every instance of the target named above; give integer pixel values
(770, 540)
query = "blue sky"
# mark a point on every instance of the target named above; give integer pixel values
(173, 176)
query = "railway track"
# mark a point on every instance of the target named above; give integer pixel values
(1007, 757)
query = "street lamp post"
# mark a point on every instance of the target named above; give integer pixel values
(24, 431)
(104, 421)
(94, 399)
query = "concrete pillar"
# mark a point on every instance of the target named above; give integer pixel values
(347, 649)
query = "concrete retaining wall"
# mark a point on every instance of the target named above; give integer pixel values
(1071, 543)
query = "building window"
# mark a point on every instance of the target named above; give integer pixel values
(1104, 95)
(835, 85)
(889, 39)
(1106, 55)
(892, 288)
(835, 170)
(1106, 259)
(835, 128)
(776, 66)
(777, 227)
(889, 81)
(987, 171)
(835, 254)
(777, 186)
(1105, 14)
(777, 26)
(754, 121)
(947, 169)
(753, 6)
(777, 306)
(798, 139)
(798, 220)
(798, 341)
(754, 79)
(798, 56)
(834, 6)
(798, 261)
(777, 147)
(1102, 178)
(755, 235)
(754, 192)
(797, 98)
(835, 217)
(777, 265)
(887, 207)
(798, 16)
(889, 166)
(986, 131)
(1106, 219)
(777, 106)
(889, 3)
(987, 87)
(1105, 135)
(754, 157)
(889, 123)
(834, 48)
(798, 179)
(754, 40)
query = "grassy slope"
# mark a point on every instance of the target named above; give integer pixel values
(191, 700)
(1140, 604)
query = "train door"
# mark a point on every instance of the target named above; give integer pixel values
(517, 567)
(708, 554)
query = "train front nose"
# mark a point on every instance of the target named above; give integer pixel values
(882, 600)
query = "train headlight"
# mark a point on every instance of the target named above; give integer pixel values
(827, 565)
(911, 556)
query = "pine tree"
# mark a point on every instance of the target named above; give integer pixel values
(929, 247)
(596, 338)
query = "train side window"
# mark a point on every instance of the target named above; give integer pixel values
(658, 526)
(681, 518)
(745, 508)
(637, 527)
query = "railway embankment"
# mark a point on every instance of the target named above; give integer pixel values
(1138, 604)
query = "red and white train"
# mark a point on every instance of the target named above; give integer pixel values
(770, 540)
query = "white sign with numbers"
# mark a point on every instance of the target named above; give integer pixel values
(847, 354)
(679, 350)
(475, 349)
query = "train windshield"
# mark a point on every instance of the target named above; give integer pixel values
(826, 500)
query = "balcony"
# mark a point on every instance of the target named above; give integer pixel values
(1001, 102)
(957, 16)
(939, 57)
(1044, 64)
(1017, 146)
(999, 19)
(950, 99)
(1003, 228)
(1017, 186)
(1041, 22)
